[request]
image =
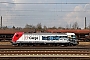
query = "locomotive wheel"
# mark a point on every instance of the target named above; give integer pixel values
(49, 44)
(62, 45)
(66, 44)
(57, 44)
(74, 44)
(20, 44)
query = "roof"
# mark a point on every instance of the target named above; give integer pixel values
(12, 31)
(68, 31)
(46, 33)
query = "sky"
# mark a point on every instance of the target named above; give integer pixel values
(18, 13)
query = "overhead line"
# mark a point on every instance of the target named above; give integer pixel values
(45, 11)
(43, 3)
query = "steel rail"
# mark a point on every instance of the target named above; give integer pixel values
(46, 55)
(44, 49)
(44, 58)
(44, 52)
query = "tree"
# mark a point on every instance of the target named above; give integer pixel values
(54, 27)
(39, 26)
(89, 26)
(60, 27)
(4, 27)
(75, 25)
(67, 26)
(44, 27)
(29, 26)
(13, 27)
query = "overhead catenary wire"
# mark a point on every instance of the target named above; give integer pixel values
(44, 10)
(44, 3)
(47, 3)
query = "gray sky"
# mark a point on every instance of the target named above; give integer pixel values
(47, 14)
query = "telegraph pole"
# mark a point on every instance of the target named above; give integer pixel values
(85, 22)
(1, 21)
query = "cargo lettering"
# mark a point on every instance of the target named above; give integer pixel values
(35, 38)
(27, 37)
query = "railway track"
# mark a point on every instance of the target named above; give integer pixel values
(45, 49)
(42, 58)
(73, 48)
(45, 52)
(58, 47)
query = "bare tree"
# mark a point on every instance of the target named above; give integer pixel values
(39, 26)
(89, 26)
(5, 27)
(13, 27)
(54, 27)
(29, 26)
(60, 27)
(75, 25)
(67, 26)
(44, 27)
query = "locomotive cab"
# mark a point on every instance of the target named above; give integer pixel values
(16, 36)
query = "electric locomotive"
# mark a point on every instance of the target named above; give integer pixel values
(55, 39)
